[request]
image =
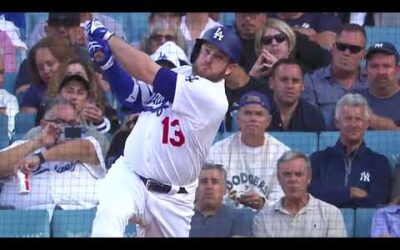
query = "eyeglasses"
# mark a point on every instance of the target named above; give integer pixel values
(63, 122)
(354, 49)
(158, 37)
(279, 38)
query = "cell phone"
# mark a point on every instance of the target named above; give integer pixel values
(72, 132)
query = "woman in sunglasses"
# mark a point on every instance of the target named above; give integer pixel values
(277, 40)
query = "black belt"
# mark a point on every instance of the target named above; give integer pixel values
(153, 185)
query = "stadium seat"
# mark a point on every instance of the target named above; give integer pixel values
(306, 142)
(24, 121)
(4, 141)
(16, 137)
(363, 222)
(381, 141)
(24, 223)
(78, 223)
(383, 34)
(9, 81)
(3, 124)
(348, 216)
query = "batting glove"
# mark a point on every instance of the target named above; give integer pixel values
(101, 53)
(97, 31)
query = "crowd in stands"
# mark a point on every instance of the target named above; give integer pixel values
(298, 72)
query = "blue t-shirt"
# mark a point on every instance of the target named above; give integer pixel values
(227, 222)
(34, 96)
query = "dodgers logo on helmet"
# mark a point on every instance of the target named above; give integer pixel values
(224, 39)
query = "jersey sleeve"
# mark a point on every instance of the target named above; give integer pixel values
(130, 92)
(99, 170)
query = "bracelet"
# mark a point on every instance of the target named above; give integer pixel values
(41, 157)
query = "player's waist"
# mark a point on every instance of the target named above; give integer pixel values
(156, 186)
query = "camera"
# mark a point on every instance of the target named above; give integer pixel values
(73, 132)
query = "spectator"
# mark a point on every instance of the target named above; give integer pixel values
(386, 221)
(360, 18)
(160, 33)
(298, 213)
(383, 93)
(63, 172)
(276, 40)
(292, 113)
(88, 97)
(216, 16)
(211, 217)
(193, 26)
(60, 25)
(326, 86)
(246, 25)
(250, 155)
(168, 17)
(8, 102)
(44, 60)
(350, 174)
(319, 27)
(237, 84)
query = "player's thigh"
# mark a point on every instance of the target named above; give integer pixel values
(171, 214)
(122, 190)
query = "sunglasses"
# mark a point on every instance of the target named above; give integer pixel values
(158, 38)
(354, 49)
(267, 40)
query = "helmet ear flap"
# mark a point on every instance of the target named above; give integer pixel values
(196, 50)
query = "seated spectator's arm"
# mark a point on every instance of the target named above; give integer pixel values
(379, 189)
(10, 159)
(28, 109)
(323, 191)
(326, 39)
(73, 150)
(336, 225)
(23, 80)
(382, 123)
(380, 227)
(395, 184)
(311, 53)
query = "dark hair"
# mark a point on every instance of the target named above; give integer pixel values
(286, 61)
(68, 78)
(352, 27)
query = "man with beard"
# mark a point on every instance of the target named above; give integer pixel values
(157, 176)
(292, 113)
(383, 95)
(327, 85)
(350, 174)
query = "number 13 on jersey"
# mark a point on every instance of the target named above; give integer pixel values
(176, 138)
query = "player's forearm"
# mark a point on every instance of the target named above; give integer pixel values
(73, 150)
(382, 123)
(135, 62)
(10, 158)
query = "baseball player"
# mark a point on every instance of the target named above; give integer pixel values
(154, 182)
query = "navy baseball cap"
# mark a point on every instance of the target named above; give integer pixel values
(255, 97)
(384, 47)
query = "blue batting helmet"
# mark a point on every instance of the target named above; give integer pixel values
(222, 38)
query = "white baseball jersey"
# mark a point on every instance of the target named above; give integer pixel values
(249, 168)
(70, 185)
(170, 140)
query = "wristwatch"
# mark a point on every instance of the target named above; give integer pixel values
(41, 157)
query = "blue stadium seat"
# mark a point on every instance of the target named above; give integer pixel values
(348, 216)
(16, 137)
(383, 34)
(9, 81)
(4, 141)
(363, 222)
(24, 121)
(78, 223)
(3, 124)
(24, 223)
(306, 142)
(385, 142)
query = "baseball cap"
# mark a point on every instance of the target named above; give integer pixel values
(68, 19)
(67, 79)
(255, 97)
(384, 47)
(169, 53)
